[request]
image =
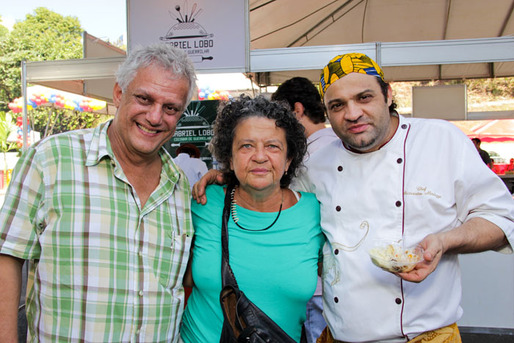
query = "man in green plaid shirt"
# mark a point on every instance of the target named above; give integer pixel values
(103, 217)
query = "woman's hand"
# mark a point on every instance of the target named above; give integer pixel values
(212, 176)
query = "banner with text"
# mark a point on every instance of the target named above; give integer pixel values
(213, 33)
(195, 127)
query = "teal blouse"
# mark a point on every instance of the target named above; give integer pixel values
(276, 268)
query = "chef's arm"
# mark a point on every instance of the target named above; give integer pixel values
(212, 176)
(475, 235)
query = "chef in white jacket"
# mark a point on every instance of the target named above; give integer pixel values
(396, 179)
(391, 178)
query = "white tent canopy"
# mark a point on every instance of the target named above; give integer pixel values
(422, 55)
(420, 39)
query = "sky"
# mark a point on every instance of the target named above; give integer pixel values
(105, 19)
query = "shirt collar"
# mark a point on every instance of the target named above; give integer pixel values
(100, 148)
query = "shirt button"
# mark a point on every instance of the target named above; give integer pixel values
(340, 168)
(338, 208)
(399, 161)
(404, 126)
(140, 293)
(398, 203)
(398, 301)
(336, 300)
(140, 253)
(336, 251)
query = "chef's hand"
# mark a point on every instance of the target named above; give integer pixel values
(212, 176)
(475, 235)
(433, 251)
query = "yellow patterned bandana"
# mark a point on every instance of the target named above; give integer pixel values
(345, 64)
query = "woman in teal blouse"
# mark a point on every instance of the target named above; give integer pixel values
(274, 233)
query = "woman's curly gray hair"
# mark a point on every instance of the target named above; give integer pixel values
(232, 113)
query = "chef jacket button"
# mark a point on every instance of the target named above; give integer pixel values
(399, 160)
(398, 203)
(336, 300)
(340, 168)
(336, 251)
(338, 208)
(404, 126)
(398, 301)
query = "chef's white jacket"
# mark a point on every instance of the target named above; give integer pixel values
(428, 178)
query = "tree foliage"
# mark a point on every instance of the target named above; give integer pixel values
(3, 30)
(42, 36)
(7, 127)
(50, 120)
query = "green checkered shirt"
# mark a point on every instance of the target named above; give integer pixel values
(102, 269)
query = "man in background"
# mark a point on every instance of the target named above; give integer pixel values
(305, 101)
(483, 154)
(188, 159)
(103, 217)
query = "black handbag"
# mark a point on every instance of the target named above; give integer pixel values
(243, 321)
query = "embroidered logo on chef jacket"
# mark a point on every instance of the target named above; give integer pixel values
(330, 270)
(422, 191)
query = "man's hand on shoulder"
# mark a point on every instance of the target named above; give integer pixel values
(212, 176)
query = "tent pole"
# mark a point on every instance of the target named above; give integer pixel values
(378, 53)
(24, 95)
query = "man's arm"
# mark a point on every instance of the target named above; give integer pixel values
(475, 235)
(10, 289)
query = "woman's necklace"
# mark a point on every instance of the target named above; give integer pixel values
(236, 219)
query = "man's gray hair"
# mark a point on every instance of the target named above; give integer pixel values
(165, 56)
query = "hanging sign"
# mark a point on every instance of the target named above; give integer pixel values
(213, 33)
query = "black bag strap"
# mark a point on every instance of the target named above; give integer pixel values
(233, 325)
(227, 275)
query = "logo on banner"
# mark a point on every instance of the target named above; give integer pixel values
(196, 127)
(188, 34)
(192, 127)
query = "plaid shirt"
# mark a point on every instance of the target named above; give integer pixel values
(102, 269)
